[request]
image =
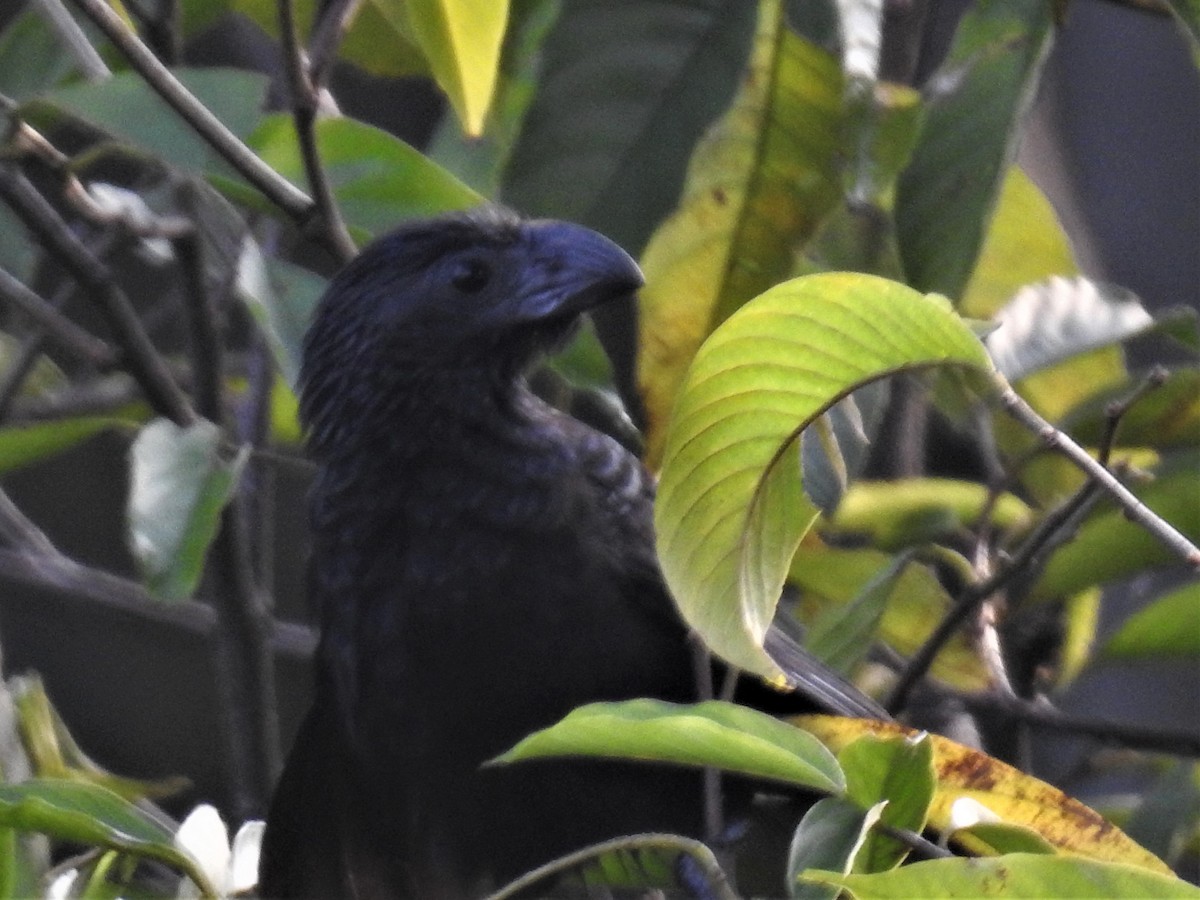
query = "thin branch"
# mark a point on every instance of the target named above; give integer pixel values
(304, 114)
(1043, 715)
(281, 192)
(87, 587)
(328, 31)
(205, 341)
(918, 844)
(140, 356)
(91, 65)
(70, 337)
(1134, 508)
(717, 881)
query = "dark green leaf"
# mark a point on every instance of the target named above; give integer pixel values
(899, 771)
(974, 106)
(828, 837)
(125, 107)
(625, 92)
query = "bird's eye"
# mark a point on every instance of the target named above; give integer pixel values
(471, 275)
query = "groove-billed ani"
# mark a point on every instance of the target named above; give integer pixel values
(482, 565)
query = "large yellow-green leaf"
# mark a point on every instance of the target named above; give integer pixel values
(758, 184)
(731, 509)
(461, 39)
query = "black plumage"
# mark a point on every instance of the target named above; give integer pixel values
(482, 564)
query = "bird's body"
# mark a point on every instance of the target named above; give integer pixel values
(482, 563)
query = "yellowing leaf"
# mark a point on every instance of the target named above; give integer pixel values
(462, 40)
(757, 186)
(731, 510)
(1012, 875)
(1015, 797)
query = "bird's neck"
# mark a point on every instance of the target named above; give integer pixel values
(416, 433)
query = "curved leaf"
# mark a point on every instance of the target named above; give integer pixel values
(730, 509)
(757, 186)
(95, 816)
(1052, 321)
(832, 833)
(1012, 875)
(734, 738)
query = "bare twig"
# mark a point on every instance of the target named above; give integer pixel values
(140, 356)
(1134, 508)
(91, 66)
(57, 327)
(202, 329)
(716, 880)
(281, 192)
(1041, 714)
(304, 114)
(85, 586)
(328, 31)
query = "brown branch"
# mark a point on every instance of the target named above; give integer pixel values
(141, 358)
(54, 325)
(1041, 714)
(87, 587)
(1134, 508)
(282, 193)
(304, 115)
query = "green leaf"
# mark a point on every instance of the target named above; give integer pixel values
(843, 635)
(624, 93)
(734, 738)
(1169, 812)
(730, 509)
(125, 107)
(1108, 546)
(32, 58)
(829, 577)
(1187, 14)
(1013, 875)
(377, 179)
(179, 486)
(1003, 837)
(974, 105)
(911, 511)
(282, 297)
(93, 816)
(900, 772)
(1050, 322)
(23, 445)
(757, 186)
(1168, 627)
(462, 40)
(1167, 417)
(831, 834)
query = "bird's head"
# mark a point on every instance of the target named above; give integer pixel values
(478, 292)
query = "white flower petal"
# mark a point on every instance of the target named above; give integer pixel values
(243, 866)
(204, 836)
(60, 887)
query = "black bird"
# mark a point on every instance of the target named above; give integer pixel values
(482, 564)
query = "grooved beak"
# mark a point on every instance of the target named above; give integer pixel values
(577, 270)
